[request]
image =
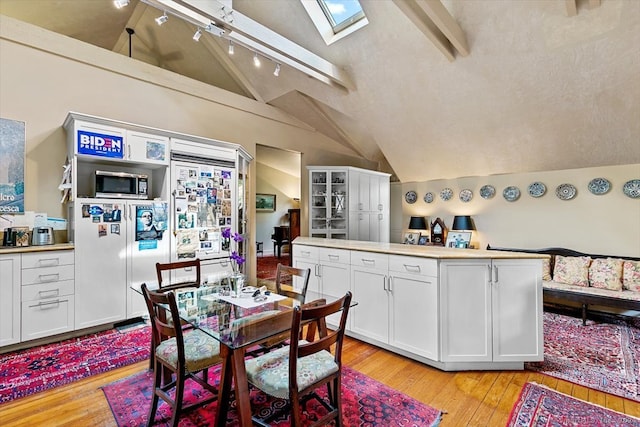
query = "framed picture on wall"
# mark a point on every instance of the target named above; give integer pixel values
(265, 202)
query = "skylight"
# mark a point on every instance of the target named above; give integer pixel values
(335, 19)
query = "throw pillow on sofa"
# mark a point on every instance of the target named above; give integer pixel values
(546, 269)
(572, 270)
(606, 273)
(631, 275)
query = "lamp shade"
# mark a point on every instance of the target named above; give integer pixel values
(417, 223)
(463, 222)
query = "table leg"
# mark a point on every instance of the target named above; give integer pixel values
(224, 389)
(243, 402)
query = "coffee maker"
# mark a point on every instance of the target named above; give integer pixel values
(9, 237)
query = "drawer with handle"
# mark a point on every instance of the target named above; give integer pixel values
(414, 265)
(33, 276)
(45, 291)
(370, 260)
(47, 259)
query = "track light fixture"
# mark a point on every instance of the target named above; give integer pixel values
(197, 35)
(276, 72)
(162, 19)
(256, 60)
(119, 4)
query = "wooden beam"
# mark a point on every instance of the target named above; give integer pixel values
(441, 17)
(572, 7)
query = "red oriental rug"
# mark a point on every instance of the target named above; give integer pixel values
(541, 406)
(266, 266)
(41, 368)
(366, 402)
(603, 356)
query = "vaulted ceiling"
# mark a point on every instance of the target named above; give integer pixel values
(442, 89)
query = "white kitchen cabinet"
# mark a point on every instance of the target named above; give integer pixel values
(328, 215)
(491, 310)
(9, 299)
(47, 294)
(397, 301)
(147, 148)
(329, 276)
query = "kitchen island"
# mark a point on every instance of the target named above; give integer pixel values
(454, 309)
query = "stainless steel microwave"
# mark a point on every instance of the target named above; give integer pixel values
(121, 185)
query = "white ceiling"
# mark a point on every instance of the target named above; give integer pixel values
(539, 90)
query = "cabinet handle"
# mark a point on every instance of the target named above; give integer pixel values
(129, 151)
(224, 262)
(368, 261)
(48, 262)
(380, 217)
(360, 217)
(412, 268)
(305, 253)
(319, 273)
(52, 292)
(49, 277)
(334, 257)
(380, 207)
(489, 268)
(384, 283)
(390, 284)
(495, 274)
(360, 206)
(48, 304)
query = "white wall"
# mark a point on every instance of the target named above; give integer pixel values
(607, 224)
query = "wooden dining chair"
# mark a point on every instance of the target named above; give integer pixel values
(184, 354)
(284, 273)
(164, 271)
(296, 371)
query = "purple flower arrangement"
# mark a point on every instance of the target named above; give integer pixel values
(236, 259)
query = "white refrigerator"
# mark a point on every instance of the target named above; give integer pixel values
(120, 242)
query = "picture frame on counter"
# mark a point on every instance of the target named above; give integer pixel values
(458, 239)
(411, 238)
(423, 240)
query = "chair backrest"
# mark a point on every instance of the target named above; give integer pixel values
(284, 272)
(317, 314)
(158, 303)
(164, 271)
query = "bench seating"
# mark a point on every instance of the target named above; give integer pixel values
(619, 299)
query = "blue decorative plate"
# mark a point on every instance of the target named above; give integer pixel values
(537, 189)
(632, 188)
(428, 198)
(446, 194)
(566, 191)
(599, 186)
(411, 196)
(487, 191)
(511, 193)
(466, 195)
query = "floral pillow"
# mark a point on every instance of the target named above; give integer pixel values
(572, 270)
(606, 273)
(546, 269)
(631, 275)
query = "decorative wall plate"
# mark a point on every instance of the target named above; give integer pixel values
(599, 186)
(466, 195)
(511, 193)
(446, 194)
(428, 197)
(632, 188)
(487, 191)
(537, 189)
(566, 191)
(411, 196)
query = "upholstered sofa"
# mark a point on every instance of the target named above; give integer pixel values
(588, 279)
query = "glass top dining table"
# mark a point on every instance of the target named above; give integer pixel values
(238, 320)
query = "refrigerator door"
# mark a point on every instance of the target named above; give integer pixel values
(148, 242)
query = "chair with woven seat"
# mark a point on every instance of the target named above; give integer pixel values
(184, 354)
(295, 372)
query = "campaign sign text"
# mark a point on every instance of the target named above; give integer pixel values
(96, 144)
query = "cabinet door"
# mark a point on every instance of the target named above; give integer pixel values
(334, 282)
(414, 314)
(517, 310)
(307, 257)
(9, 299)
(147, 148)
(318, 203)
(465, 303)
(361, 227)
(371, 316)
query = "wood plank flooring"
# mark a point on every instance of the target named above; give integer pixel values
(469, 398)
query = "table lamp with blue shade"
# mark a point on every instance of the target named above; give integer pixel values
(463, 223)
(417, 223)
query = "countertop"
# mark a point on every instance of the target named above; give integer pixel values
(437, 252)
(27, 249)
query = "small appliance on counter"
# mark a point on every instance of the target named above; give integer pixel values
(42, 236)
(16, 236)
(9, 237)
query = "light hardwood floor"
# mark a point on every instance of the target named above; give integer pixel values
(468, 398)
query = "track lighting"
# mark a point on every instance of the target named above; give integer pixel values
(276, 72)
(162, 19)
(197, 35)
(120, 3)
(256, 60)
(231, 48)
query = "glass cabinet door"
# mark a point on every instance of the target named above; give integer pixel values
(338, 214)
(328, 212)
(318, 209)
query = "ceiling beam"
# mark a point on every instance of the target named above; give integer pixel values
(254, 36)
(435, 22)
(572, 7)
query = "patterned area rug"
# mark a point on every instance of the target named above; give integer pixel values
(41, 368)
(541, 406)
(366, 402)
(603, 356)
(266, 266)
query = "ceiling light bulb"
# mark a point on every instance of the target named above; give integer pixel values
(197, 35)
(276, 72)
(256, 60)
(120, 3)
(162, 19)
(231, 48)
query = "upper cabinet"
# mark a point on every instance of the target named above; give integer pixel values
(347, 202)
